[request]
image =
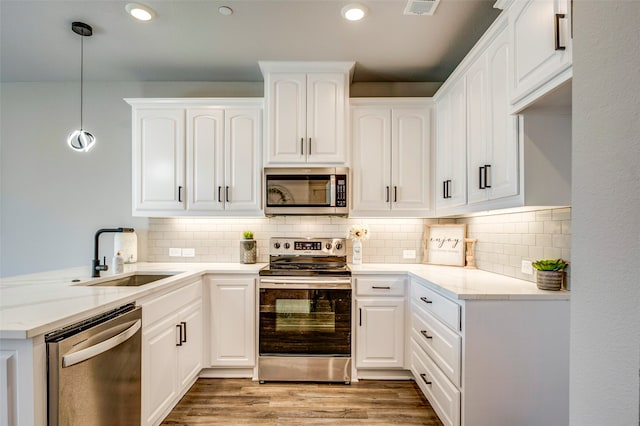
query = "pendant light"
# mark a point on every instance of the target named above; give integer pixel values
(81, 140)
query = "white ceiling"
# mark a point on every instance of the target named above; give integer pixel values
(190, 41)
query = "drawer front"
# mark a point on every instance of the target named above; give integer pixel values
(378, 286)
(438, 305)
(443, 396)
(438, 341)
(170, 302)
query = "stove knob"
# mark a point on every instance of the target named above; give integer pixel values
(287, 245)
(276, 245)
(338, 246)
(328, 246)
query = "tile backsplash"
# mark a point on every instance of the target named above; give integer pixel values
(504, 240)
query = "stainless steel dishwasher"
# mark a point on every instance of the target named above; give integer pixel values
(94, 370)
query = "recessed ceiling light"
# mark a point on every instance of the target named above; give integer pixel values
(225, 10)
(354, 12)
(140, 11)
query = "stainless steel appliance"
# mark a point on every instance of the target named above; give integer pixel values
(305, 311)
(306, 191)
(94, 370)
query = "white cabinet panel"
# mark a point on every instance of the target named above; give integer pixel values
(380, 341)
(158, 159)
(391, 149)
(190, 354)
(306, 113)
(233, 327)
(538, 59)
(205, 153)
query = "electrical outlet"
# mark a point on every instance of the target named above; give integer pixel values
(174, 252)
(188, 252)
(526, 267)
(408, 254)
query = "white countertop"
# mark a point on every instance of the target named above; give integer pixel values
(465, 284)
(34, 304)
(31, 305)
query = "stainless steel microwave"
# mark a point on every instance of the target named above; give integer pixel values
(306, 191)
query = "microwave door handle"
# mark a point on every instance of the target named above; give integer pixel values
(332, 190)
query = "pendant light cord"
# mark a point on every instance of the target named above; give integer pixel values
(81, 77)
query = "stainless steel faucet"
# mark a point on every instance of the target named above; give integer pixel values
(96, 267)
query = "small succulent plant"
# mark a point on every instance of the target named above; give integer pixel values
(550, 265)
(247, 235)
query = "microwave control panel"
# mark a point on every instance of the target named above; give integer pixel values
(341, 190)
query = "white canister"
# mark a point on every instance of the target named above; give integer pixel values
(127, 244)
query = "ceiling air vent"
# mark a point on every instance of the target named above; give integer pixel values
(421, 7)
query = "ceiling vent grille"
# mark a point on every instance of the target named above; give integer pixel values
(421, 7)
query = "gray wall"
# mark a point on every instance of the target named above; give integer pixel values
(54, 199)
(605, 297)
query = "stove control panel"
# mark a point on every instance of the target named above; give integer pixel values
(308, 246)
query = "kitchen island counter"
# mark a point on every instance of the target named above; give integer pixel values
(33, 304)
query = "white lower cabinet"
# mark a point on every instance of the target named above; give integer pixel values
(487, 362)
(232, 321)
(380, 321)
(171, 349)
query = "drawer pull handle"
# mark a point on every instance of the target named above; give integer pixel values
(423, 376)
(381, 287)
(424, 333)
(425, 300)
(184, 335)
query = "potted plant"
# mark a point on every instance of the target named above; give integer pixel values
(247, 248)
(550, 273)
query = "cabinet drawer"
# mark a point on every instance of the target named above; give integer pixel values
(170, 302)
(441, 307)
(438, 341)
(391, 286)
(443, 396)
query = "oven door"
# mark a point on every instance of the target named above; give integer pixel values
(305, 317)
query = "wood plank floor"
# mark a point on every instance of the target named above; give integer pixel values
(246, 402)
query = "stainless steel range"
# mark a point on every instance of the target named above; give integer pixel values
(305, 311)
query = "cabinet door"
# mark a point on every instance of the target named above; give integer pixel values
(451, 148)
(233, 322)
(371, 174)
(205, 159)
(243, 129)
(380, 331)
(502, 149)
(325, 136)
(477, 122)
(158, 159)
(411, 159)
(159, 378)
(190, 353)
(536, 59)
(287, 117)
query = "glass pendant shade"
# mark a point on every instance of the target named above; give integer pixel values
(81, 140)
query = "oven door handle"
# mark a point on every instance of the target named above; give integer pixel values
(320, 284)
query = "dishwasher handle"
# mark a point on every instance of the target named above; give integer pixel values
(73, 358)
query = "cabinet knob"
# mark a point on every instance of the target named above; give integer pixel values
(425, 300)
(424, 333)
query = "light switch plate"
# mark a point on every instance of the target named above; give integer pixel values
(408, 254)
(173, 252)
(188, 252)
(526, 267)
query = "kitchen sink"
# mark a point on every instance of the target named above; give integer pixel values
(134, 280)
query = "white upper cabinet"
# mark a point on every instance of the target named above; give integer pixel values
(492, 134)
(158, 159)
(542, 46)
(451, 148)
(196, 157)
(306, 112)
(391, 152)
